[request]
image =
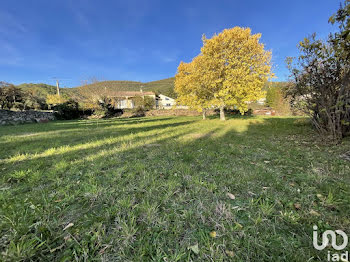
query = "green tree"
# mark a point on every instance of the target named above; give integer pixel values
(149, 103)
(276, 98)
(11, 96)
(144, 102)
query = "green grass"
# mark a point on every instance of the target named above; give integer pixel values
(152, 189)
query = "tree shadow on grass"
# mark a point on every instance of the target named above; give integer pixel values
(67, 125)
(34, 142)
(166, 189)
(76, 144)
(230, 116)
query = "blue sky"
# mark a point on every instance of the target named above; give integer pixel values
(140, 40)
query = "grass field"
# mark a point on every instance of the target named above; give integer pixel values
(156, 189)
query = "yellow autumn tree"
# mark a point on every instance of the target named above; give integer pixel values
(191, 87)
(231, 71)
(237, 67)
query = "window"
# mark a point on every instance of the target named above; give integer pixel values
(123, 104)
(166, 98)
(168, 104)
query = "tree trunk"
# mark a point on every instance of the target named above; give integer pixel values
(204, 114)
(222, 113)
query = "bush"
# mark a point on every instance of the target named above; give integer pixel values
(149, 103)
(106, 105)
(68, 110)
(113, 112)
(138, 112)
(32, 101)
(275, 98)
(321, 79)
(233, 112)
(146, 102)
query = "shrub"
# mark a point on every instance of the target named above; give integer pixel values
(149, 103)
(230, 111)
(145, 102)
(106, 105)
(114, 112)
(276, 99)
(138, 112)
(32, 101)
(321, 79)
(68, 110)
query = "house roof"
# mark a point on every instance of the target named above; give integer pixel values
(131, 93)
(166, 96)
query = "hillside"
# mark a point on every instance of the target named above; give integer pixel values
(42, 90)
(164, 86)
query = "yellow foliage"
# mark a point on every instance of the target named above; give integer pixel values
(230, 71)
(212, 234)
(190, 87)
(54, 99)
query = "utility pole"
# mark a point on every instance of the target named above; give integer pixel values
(141, 90)
(58, 83)
(58, 87)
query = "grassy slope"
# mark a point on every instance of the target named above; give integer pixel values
(164, 86)
(116, 85)
(148, 189)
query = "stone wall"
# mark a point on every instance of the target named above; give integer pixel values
(9, 117)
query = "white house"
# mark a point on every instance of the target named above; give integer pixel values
(261, 101)
(165, 102)
(125, 99)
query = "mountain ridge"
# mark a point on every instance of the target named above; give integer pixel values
(163, 86)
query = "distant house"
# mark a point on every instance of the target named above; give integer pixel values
(261, 101)
(165, 102)
(125, 99)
